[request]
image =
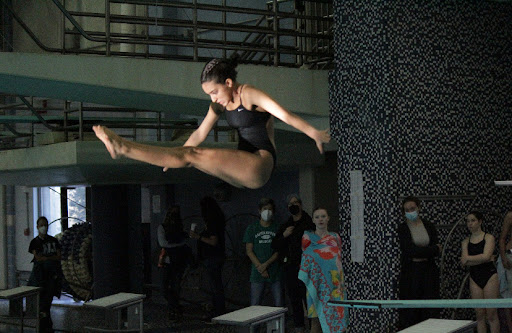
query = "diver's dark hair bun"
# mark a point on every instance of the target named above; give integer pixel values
(234, 59)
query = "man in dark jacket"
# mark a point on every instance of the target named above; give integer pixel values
(288, 243)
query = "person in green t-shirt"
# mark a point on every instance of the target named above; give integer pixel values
(265, 270)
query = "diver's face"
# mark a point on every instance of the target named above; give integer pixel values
(220, 93)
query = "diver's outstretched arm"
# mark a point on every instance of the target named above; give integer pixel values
(254, 96)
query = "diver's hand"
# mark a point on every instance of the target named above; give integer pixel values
(320, 138)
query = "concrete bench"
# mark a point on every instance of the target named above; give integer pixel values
(248, 318)
(15, 297)
(442, 326)
(114, 305)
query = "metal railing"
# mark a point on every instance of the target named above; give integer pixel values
(23, 119)
(280, 33)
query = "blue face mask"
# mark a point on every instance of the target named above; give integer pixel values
(412, 216)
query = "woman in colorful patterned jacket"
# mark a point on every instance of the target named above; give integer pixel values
(322, 274)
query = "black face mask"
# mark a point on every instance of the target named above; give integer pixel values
(294, 209)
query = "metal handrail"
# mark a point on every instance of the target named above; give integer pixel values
(41, 119)
(231, 9)
(15, 132)
(75, 23)
(268, 42)
(80, 122)
(28, 30)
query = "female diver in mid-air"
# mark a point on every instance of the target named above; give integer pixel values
(247, 109)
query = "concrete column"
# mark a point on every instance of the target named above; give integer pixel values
(10, 215)
(307, 188)
(129, 10)
(3, 240)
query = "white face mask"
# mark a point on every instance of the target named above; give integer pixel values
(42, 230)
(266, 215)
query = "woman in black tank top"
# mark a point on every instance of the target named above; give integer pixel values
(250, 165)
(477, 254)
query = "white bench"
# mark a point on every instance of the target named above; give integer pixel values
(442, 326)
(114, 306)
(15, 297)
(248, 318)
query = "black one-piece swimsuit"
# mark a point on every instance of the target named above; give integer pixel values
(252, 129)
(480, 273)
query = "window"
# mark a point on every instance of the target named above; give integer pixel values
(76, 205)
(47, 202)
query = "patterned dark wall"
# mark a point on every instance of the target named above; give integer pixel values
(421, 102)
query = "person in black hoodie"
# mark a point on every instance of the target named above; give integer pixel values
(419, 275)
(173, 261)
(288, 243)
(211, 249)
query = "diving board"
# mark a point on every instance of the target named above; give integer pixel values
(425, 303)
(503, 182)
(442, 326)
(248, 318)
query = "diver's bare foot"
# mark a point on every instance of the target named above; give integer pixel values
(113, 142)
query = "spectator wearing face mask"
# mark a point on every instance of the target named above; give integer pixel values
(288, 242)
(265, 270)
(46, 272)
(419, 275)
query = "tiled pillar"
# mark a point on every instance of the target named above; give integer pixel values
(117, 239)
